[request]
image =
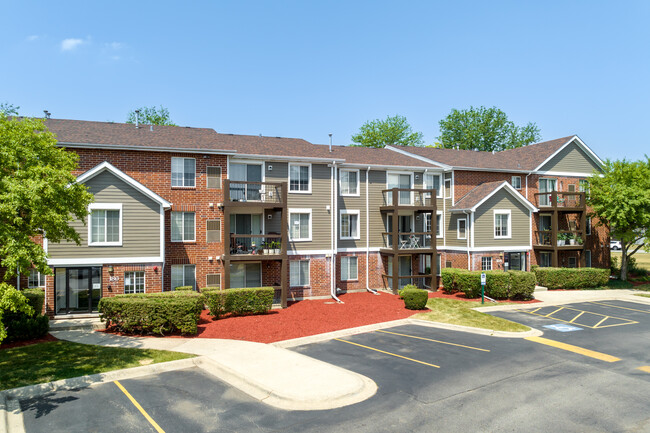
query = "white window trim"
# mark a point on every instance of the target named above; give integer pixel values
(412, 176)
(39, 276)
(308, 271)
(144, 279)
(442, 224)
(350, 170)
(183, 226)
(295, 210)
(298, 164)
(356, 278)
(458, 228)
(439, 193)
(349, 212)
(483, 258)
(512, 182)
(104, 206)
(494, 223)
(184, 186)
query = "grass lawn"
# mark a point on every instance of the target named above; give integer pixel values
(614, 285)
(644, 287)
(460, 313)
(642, 259)
(54, 360)
(643, 294)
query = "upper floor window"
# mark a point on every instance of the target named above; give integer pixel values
(183, 228)
(447, 188)
(350, 182)
(300, 224)
(349, 224)
(184, 172)
(516, 182)
(502, 224)
(300, 178)
(461, 228)
(588, 228)
(438, 224)
(432, 181)
(36, 279)
(105, 224)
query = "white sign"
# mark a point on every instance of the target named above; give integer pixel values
(483, 278)
(113, 279)
(97, 285)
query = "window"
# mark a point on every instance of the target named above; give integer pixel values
(583, 185)
(349, 268)
(588, 228)
(183, 227)
(184, 172)
(572, 262)
(183, 275)
(213, 280)
(214, 177)
(300, 224)
(545, 260)
(432, 181)
(350, 182)
(349, 224)
(447, 188)
(439, 265)
(588, 258)
(299, 273)
(461, 228)
(502, 224)
(134, 282)
(516, 182)
(486, 263)
(213, 230)
(244, 275)
(105, 224)
(438, 224)
(571, 188)
(299, 178)
(36, 279)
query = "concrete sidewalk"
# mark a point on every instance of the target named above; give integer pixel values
(273, 375)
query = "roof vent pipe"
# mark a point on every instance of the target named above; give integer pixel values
(330, 134)
(137, 123)
(151, 128)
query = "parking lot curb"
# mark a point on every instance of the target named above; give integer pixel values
(11, 417)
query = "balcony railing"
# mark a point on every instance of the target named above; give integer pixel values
(409, 240)
(409, 197)
(266, 244)
(255, 192)
(564, 238)
(561, 200)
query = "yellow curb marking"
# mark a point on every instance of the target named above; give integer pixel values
(388, 353)
(137, 405)
(574, 349)
(645, 368)
(435, 341)
(624, 308)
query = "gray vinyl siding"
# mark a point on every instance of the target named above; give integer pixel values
(140, 223)
(316, 201)
(451, 226)
(484, 222)
(355, 203)
(572, 159)
(377, 181)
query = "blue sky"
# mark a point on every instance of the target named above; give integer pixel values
(304, 69)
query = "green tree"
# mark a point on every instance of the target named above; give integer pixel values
(151, 116)
(11, 300)
(9, 109)
(486, 129)
(392, 131)
(620, 198)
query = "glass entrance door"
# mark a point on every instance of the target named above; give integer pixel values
(78, 290)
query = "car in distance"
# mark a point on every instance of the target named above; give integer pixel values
(614, 245)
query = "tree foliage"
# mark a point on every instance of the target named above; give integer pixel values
(38, 194)
(392, 131)
(9, 109)
(151, 116)
(11, 301)
(486, 129)
(620, 198)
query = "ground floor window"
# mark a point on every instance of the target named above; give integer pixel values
(545, 260)
(486, 263)
(244, 275)
(588, 258)
(183, 275)
(299, 273)
(134, 282)
(36, 279)
(572, 262)
(349, 268)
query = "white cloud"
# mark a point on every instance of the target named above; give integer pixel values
(71, 44)
(31, 38)
(115, 46)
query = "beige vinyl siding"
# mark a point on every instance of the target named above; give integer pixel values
(484, 222)
(140, 223)
(354, 203)
(317, 200)
(451, 225)
(377, 181)
(572, 159)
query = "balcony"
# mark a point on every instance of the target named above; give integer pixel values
(564, 240)
(561, 201)
(424, 199)
(255, 194)
(409, 241)
(256, 247)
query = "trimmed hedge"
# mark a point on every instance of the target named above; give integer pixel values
(414, 299)
(22, 326)
(35, 298)
(498, 285)
(183, 288)
(572, 278)
(255, 300)
(153, 313)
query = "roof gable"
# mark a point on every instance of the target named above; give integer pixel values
(480, 194)
(573, 154)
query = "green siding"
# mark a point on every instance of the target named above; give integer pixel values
(572, 159)
(484, 222)
(140, 223)
(451, 225)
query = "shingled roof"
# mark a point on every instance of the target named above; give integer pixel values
(374, 157)
(524, 158)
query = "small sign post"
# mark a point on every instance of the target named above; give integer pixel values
(483, 280)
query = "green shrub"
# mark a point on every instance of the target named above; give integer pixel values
(497, 284)
(407, 287)
(614, 268)
(415, 299)
(572, 278)
(21, 326)
(36, 299)
(239, 301)
(183, 288)
(522, 284)
(153, 313)
(468, 282)
(447, 277)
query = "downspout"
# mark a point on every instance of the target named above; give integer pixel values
(333, 238)
(17, 278)
(374, 292)
(467, 234)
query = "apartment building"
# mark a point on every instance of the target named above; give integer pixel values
(178, 206)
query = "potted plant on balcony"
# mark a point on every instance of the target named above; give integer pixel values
(572, 239)
(561, 239)
(253, 248)
(276, 247)
(266, 247)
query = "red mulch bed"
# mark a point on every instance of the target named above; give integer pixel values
(48, 337)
